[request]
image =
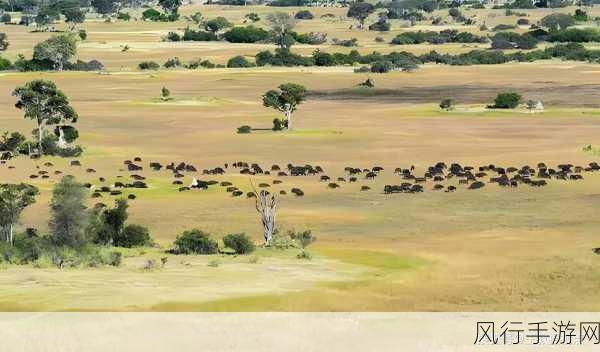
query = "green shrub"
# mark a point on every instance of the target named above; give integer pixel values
(304, 255)
(508, 100)
(239, 61)
(173, 37)
(195, 242)
(447, 104)
(148, 65)
(5, 64)
(282, 241)
(123, 16)
(279, 124)
(304, 238)
(239, 242)
(249, 34)
(381, 67)
(304, 15)
(172, 63)
(5, 18)
(133, 235)
(198, 36)
(244, 129)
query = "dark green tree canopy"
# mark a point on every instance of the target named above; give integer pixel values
(58, 49)
(360, 11)
(286, 99)
(170, 5)
(45, 104)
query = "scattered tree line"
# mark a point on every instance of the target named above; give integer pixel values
(54, 53)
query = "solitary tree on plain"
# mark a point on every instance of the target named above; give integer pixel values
(45, 104)
(266, 206)
(286, 100)
(14, 198)
(360, 11)
(281, 25)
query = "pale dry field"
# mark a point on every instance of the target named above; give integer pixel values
(492, 249)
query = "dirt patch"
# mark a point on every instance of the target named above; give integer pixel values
(585, 95)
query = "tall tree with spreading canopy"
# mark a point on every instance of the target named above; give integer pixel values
(14, 198)
(281, 25)
(45, 104)
(360, 11)
(58, 49)
(286, 100)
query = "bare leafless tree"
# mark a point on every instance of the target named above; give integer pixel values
(266, 206)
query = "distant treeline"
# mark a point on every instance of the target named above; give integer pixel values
(406, 60)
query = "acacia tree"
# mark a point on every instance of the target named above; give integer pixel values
(360, 11)
(281, 25)
(286, 100)
(14, 198)
(45, 104)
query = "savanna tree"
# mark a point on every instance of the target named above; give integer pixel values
(14, 198)
(68, 215)
(360, 11)
(58, 49)
(45, 104)
(281, 25)
(286, 100)
(217, 24)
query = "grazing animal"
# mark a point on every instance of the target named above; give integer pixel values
(450, 189)
(476, 185)
(438, 187)
(297, 191)
(333, 185)
(236, 193)
(183, 189)
(282, 192)
(250, 195)
(276, 182)
(365, 188)
(370, 175)
(324, 178)
(75, 163)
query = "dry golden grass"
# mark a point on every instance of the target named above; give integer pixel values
(493, 249)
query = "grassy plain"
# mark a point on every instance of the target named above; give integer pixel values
(493, 249)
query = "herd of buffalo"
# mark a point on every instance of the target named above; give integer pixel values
(409, 181)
